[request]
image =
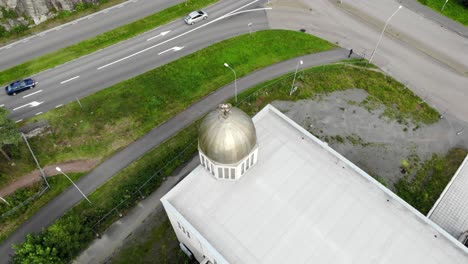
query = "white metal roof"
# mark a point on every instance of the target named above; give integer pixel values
(305, 203)
(451, 209)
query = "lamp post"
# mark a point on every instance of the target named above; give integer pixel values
(381, 34)
(294, 79)
(5, 201)
(235, 79)
(60, 170)
(442, 9)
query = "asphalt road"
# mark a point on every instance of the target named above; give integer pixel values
(66, 200)
(79, 30)
(417, 51)
(86, 76)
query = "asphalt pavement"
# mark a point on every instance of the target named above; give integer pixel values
(66, 200)
(427, 58)
(437, 17)
(78, 30)
(102, 69)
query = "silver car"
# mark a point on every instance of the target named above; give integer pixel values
(195, 17)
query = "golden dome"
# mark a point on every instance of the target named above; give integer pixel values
(227, 135)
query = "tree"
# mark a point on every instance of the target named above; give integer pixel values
(34, 251)
(9, 134)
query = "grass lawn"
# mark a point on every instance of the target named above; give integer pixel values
(113, 118)
(400, 103)
(101, 41)
(161, 243)
(423, 190)
(453, 9)
(10, 223)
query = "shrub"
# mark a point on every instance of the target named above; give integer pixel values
(3, 32)
(9, 13)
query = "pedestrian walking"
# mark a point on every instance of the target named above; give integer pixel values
(350, 53)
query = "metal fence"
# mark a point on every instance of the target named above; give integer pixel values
(139, 193)
(24, 203)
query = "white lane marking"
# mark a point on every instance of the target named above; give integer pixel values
(32, 94)
(71, 79)
(17, 121)
(90, 17)
(2, 105)
(176, 37)
(60, 105)
(59, 28)
(24, 41)
(105, 12)
(162, 34)
(41, 35)
(32, 104)
(38, 113)
(7, 47)
(171, 49)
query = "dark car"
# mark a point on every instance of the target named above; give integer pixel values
(19, 86)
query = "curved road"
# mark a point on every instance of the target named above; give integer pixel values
(104, 68)
(78, 30)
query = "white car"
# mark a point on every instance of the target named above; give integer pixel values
(195, 17)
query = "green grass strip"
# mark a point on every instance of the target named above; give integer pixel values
(453, 9)
(101, 41)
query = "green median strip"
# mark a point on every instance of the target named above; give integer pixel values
(454, 9)
(101, 41)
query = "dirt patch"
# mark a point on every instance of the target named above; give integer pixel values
(35, 176)
(376, 144)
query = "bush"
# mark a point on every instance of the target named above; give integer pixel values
(57, 244)
(83, 6)
(3, 32)
(9, 13)
(19, 29)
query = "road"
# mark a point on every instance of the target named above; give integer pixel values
(95, 72)
(79, 30)
(66, 200)
(418, 52)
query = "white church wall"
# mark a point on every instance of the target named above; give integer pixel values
(191, 238)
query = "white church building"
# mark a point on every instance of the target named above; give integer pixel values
(267, 191)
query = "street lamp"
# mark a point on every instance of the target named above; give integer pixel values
(294, 79)
(60, 170)
(1, 198)
(442, 9)
(235, 79)
(381, 34)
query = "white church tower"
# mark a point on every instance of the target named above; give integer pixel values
(227, 143)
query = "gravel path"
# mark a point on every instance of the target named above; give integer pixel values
(35, 176)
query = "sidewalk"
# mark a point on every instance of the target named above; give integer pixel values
(101, 174)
